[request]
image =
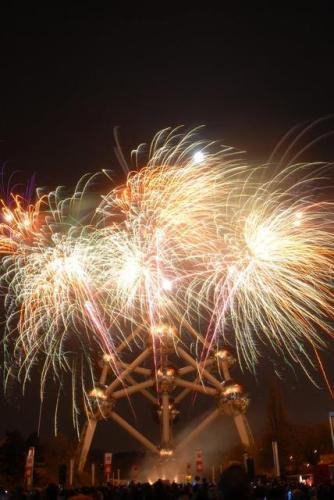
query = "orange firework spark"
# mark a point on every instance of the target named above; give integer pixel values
(20, 224)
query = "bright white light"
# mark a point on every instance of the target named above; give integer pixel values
(232, 269)
(198, 157)
(69, 265)
(298, 219)
(160, 233)
(107, 358)
(129, 274)
(26, 222)
(264, 243)
(163, 329)
(167, 284)
(8, 217)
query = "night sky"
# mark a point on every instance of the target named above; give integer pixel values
(69, 76)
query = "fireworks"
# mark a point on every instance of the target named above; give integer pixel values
(278, 288)
(192, 236)
(20, 224)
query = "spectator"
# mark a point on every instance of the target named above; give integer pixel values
(234, 483)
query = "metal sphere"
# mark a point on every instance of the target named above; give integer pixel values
(98, 392)
(166, 377)
(166, 333)
(233, 400)
(164, 329)
(99, 402)
(232, 389)
(226, 355)
(106, 360)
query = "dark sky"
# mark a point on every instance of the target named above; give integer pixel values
(70, 75)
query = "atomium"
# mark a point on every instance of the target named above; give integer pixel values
(164, 373)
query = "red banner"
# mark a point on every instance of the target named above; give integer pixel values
(199, 461)
(107, 466)
(29, 467)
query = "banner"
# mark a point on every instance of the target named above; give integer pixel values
(107, 466)
(199, 461)
(188, 473)
(29, 467)
(276, 459)
(70, 481)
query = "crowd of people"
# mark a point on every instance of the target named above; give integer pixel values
(232, 485)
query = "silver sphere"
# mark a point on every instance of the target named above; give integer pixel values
(226, 354)
(233, 399)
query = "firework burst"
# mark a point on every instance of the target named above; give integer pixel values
(277, 288)
(193, 235)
